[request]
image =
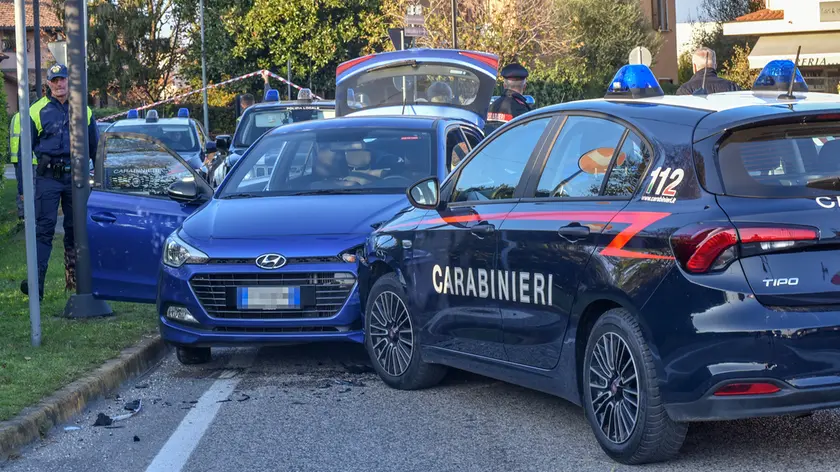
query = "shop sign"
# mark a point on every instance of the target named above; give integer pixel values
(829, 11)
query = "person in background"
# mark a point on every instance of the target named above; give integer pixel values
(14, 153)
(704, 62)
(50, 125)
(512, 103)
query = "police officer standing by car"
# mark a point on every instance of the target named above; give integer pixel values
(50, 123)
(512, 103)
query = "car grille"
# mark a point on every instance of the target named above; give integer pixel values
(211, 289)
(290, 260)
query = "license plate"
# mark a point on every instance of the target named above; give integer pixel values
(268, 298)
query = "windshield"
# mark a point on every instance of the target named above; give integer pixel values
(256, 123)
(778, 161)
(421, 83)
(179, 138)
(336, 160)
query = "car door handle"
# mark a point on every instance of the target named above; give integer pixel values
(103, 217)
(574, 231)
(482, 229)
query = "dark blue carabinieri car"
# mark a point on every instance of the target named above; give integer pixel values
(656, 259)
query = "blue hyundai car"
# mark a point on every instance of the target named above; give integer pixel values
(657, 260)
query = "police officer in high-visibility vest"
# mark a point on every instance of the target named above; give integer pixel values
(14, 152)
(53, 185)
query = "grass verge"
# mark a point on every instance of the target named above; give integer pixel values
(69, 348)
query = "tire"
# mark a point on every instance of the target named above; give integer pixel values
(193, 355)
(654, 437)
(387, 348)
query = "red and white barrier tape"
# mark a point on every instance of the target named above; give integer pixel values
(193, 92)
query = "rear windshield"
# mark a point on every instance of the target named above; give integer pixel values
(256, 123)
(781, 161)
(415, 84)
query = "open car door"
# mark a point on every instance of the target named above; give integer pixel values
(432, 82)
(130, 213)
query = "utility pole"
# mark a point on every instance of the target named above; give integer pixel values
(36, 18)
(454, 21)
(289, 78)
(203, 67)
(81, 304)
(26, 168)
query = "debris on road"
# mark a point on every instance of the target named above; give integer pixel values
(133, 406)
(141, 386)
(357, 368)
(72, 428)
(136, 439)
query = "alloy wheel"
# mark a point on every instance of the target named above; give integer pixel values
(391, 333)
(614, 387)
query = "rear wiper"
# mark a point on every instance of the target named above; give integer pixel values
(407, 62)
(239, 195)
(826, 183)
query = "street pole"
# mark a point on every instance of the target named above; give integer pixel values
(81, 304)
(36, 17)
(289, 78)
(203, 66)
(28, 177)
(454, 17)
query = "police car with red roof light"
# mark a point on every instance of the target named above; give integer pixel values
(656, 259)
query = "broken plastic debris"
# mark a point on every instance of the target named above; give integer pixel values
(71, 428)
(104, 420)
(136, 439)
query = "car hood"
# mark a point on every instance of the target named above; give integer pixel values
(308, 218)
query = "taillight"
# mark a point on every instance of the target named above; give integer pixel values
(346, 65)
(488, 59)
(702, 248)
(759, 388)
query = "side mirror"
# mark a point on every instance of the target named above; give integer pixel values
(222, 142)
(425, 194)
(184, 191)
(210, 147)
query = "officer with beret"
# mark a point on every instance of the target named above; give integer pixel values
(50, 125)
(512, 103)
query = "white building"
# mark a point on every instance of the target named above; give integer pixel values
(690, 18)
(784, 26)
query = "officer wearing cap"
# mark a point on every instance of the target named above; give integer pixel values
(50, 124)
(512, 103)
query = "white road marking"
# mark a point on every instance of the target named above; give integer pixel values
(176, 452)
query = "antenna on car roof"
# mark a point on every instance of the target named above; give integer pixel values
(702, 89)
(789, 94)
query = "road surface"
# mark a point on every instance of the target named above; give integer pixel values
(298, 408)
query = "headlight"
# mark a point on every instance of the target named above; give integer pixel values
(176, 252)
(353, 254)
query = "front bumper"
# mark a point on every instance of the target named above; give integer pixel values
(824, 394)
(174, 289)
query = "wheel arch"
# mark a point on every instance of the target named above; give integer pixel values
(589, 314)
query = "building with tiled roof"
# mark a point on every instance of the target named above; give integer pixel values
(785, 25)
(51, 30)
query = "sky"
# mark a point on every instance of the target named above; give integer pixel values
(688, 10)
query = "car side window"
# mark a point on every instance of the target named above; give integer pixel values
(579, 158)
(472, 138)
(456, 147)
(494, 172)
(140, 167)
(632, 162)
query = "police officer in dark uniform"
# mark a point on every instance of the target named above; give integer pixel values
(50, 124)
(512, 103)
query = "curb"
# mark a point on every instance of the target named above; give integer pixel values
(35, 421)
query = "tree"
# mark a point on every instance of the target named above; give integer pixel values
(738, 68)
(315, 35)
(135, 47)
(605, 31)
(521, 30)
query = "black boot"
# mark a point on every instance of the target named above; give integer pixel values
(24, 287)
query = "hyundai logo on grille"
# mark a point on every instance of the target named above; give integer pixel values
(271, 261)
